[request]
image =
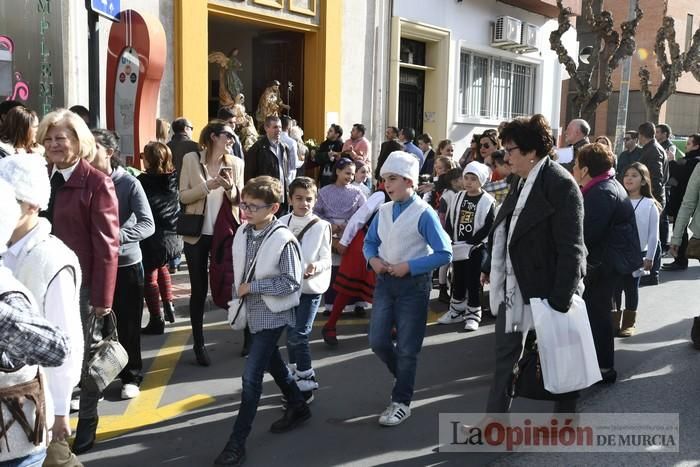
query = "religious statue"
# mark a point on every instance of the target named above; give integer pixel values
(245, 126)
(230, 84)
(270, 103)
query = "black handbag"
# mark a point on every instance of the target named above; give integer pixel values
(190, 225)
(528, 381)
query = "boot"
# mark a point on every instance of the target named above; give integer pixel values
(444, 296)
(155, 326)
(201, 355)
(616, 317)
(628, 320)
(85, 435)
(169, 311)
(330, 337)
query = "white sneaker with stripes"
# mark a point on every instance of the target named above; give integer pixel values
(394, 414)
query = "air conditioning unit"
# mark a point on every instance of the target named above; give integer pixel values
(506, 32)
(528, 38)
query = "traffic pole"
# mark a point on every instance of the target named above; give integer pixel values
(94, 65)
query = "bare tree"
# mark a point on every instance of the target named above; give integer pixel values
(593, 82)
(672, 63)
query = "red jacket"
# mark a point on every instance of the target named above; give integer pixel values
(86, 218)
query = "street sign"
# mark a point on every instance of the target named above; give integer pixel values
(106, 8)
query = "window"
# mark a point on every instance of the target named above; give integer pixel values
(495, 88)
(688, 32)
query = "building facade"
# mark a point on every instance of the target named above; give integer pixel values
(682, 110)
(458, 68)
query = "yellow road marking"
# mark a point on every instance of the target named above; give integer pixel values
(143, 410)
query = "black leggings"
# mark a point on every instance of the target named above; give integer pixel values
(466, 278)
(198, 268)
(128, 308)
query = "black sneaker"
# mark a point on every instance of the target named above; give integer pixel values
(293, 417)
(231, 455)
(444, 296)
(307, 395)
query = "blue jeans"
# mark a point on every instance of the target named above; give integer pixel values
(298, 336)
(32, 460)
(400, 302)
(175, 262)
(264, 356)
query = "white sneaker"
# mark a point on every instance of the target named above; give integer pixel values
(129, 391)
(394, 414)
(451, 316)
(473, 317)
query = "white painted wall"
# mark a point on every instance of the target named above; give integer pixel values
(469, 23)
(76, 53)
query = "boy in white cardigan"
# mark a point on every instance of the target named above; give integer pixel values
(314, 235)
(404, 244)
(267, 282)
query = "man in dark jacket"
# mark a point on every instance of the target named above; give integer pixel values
(390, 145)
(630, 155)
(270, 156)
(425, 143)
(181, 143)
(654, 157)
(680, 172)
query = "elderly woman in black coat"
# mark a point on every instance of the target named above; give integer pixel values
(537, 248)
(610, 234)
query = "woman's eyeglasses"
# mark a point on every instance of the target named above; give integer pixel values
(252, 208)
(485, 146)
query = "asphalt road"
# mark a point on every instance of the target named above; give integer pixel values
(657, 373)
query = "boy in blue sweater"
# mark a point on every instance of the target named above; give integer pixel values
(404, 244)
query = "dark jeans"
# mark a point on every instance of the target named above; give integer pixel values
(298, 336)
(264, 356)
(663, 229)
(400, 302)
(600, 287)
(630, 286)
(128, 308)
(466, 278)
(656, 265)
(197, 256)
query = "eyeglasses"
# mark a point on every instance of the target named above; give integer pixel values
(227, 134)
(252, 208)
(508, 150)
(485, 145)
(190, 127)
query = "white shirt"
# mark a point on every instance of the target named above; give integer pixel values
(67, 172)
(215, 199)
(60, 294)
(647, 217)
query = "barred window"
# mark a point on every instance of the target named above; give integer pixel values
(491, 87)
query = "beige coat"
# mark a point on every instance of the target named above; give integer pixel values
(193, 185)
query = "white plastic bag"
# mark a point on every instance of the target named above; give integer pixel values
(565, 344)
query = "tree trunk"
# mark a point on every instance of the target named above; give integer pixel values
(652, 113)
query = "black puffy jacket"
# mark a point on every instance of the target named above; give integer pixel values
(162, 193)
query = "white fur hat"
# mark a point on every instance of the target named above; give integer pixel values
(9, 213)
(480, 170)
(403, 164)
(28, 175)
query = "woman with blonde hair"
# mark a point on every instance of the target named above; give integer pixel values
(83, 210)
(159, 181)
(162, 130)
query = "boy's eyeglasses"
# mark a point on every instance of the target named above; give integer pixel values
(252, 208)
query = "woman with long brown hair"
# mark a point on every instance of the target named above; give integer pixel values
(18, 132)
(207, 177)
(159, 181)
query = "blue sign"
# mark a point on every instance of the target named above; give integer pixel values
(107, 8)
